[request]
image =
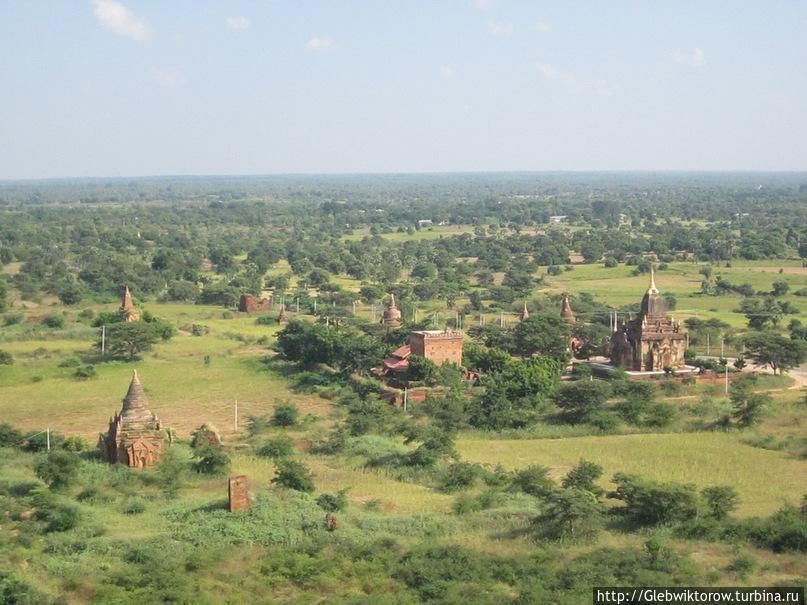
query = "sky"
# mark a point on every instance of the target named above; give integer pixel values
(171, 87)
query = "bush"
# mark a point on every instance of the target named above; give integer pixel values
(459, 476)
(569, 514)
(277, 447)
(584, 477)
(579, 400)
(294, 475)
(265, 320)
(6, 359)
(85, 372)
(53, 321)
(476, 502)
(533, 480)
(57, 513)
(59, 469)
(133, 505)
(210, 460)
(9, 436)
(333, 503)
(285, 415)
(652, 503)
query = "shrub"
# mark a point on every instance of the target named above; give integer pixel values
(133, 505)
(533, 480)
(333, 503)
(720, 500)
(53, 321)
(285, 415)
(476, 502)
(210, 460)
(265, 320)
(11, 319)
(579, 400)
(57, 513)
(277, 447)
(584, 477)
(569, 514)
(6, 359)
(59, 469)
(9, 436)
(651, 503)
(459, 476)
(85, 372)
(294, 475)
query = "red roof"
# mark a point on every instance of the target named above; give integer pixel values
(402, 352)
(394, 363)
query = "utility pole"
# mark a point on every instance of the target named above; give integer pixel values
(47, 431)
(103, 340)
(727, 379)
(406, 397)
(708, 347)
(501, 320)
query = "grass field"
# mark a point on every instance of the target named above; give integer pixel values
(699, 458)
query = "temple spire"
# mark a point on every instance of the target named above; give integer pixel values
(652, 289)
(391, 301)
(524, 312)
(135, 397)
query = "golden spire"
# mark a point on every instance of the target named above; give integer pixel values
(652, 289)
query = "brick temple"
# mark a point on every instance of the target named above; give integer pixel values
(127, 308)
(135, 436)
(652, 341)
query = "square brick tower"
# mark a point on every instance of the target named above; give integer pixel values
(440, 346)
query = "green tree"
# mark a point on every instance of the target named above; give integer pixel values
(584, 477)
(542, 335)
(294, 475)
(777, 352)
(569, 514)
(286, 415)
(721, 500)
(579, 400)
(210, 460)
(58, 469)
(128, 340)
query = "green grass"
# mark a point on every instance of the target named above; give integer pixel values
(764, 479)
(429, 233)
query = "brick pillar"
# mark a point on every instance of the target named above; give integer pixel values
(239, 493)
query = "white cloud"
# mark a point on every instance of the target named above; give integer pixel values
(237, 23)
(169, 78)
(542, 27)
(115, 17)
(482, 5)
(599, 87)
(319, 44)
(501, 28)
(695, 57)
(548, 71)
(447, 72)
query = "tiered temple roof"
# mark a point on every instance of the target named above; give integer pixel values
(135, 435)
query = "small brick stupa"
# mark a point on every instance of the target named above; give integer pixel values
(566, 310)
(525, 314)
(392, 315)
(135, 435)
(127, 308)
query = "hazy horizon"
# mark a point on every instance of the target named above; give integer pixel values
(141, 88)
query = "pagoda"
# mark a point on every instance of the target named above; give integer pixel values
(525, 314)
(135, 436)
(651, 342)
(127, 309)
(566, 312)
(391, 317)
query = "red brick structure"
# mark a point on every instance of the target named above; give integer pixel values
(238, 492)
(392, 315)
(135, 436)
(652, 341)
(127, 309)
(441, 346)
(566, 312)
(253, 304)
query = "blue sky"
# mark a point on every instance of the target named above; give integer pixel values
(149, 87)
